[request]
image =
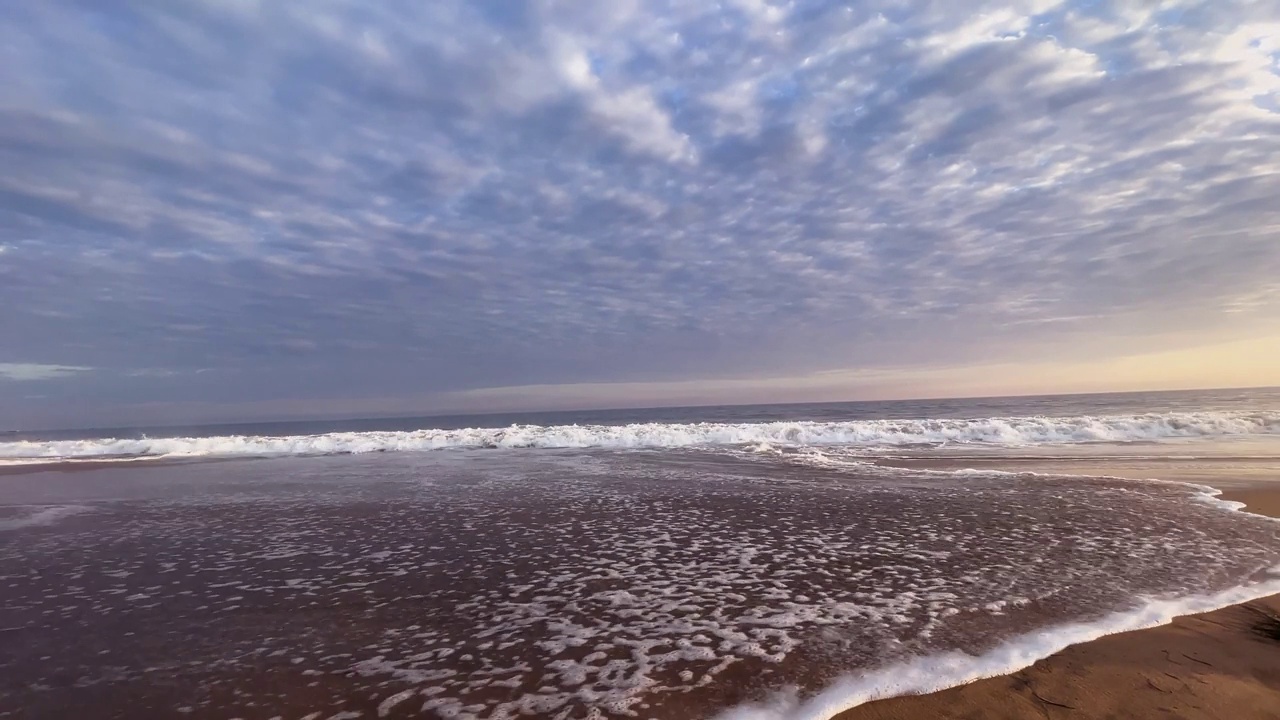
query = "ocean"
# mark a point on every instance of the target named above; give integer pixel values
(779, 561)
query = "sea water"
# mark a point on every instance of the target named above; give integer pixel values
(783, 562)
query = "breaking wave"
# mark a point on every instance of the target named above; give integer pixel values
(1002, 431)
(946, 670)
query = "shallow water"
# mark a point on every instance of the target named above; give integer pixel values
(660, 583)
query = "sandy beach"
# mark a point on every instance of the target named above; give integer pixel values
(677, 584)
(1222, 665)
(711, 360)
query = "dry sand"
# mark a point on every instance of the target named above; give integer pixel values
(1223, 665)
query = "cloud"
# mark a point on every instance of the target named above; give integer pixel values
(350, 200)
(27, 372)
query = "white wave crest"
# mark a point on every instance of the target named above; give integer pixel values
(945, 670)
(932, 673)
(1005, 431)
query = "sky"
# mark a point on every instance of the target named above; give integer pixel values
(240, 209)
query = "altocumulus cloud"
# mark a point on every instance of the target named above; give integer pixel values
(350, 199)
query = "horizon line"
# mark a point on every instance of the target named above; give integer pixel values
(489, 413)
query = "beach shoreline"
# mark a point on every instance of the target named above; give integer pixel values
(1213, 663)
(1220, 664)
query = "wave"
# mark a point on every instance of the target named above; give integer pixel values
(941, 671)
(1003, 431)
(946, 670)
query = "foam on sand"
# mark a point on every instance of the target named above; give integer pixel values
(1002, 431)
(929, 674)
(41, 515)
(942, 671)
(590, 585)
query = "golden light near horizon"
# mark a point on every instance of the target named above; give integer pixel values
(1238, 363)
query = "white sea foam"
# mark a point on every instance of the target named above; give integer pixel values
(44, 460)
(938, 672)
(1212, 496)
(1005, 431)
(42, 515)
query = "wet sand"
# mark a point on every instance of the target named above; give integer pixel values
(505, 585)
(1261, 500)
(1222, 665)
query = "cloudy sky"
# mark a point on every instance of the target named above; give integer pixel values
(213, 209)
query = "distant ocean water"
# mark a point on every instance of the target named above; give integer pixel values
(1008, 422)
(759, 561)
